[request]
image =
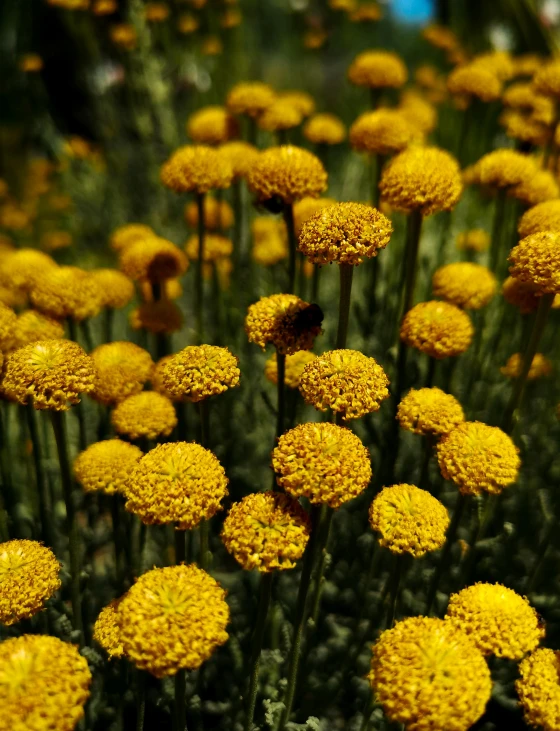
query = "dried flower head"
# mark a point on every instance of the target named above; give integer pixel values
(106, 465)
(122, 370)
(429, 411)
(145, 415)
(465, 284)
(63, 292)
(541, 367)
(293, 368)
(542, 217)
(476, 239)
(280, 115)
(117, 289)
(128, 234)
(382, 132)
(536, 260)
(217, 214)
(240, 155)
(250, 98)
(106, 630)
(161, 316)
(284, 320)
(324, 129)
(211, 126)
(288, 173)
(196, 169)
(538, 688)
(473, 80)
(153, 259)
(200, 371)
(439, 329)
(378, 70)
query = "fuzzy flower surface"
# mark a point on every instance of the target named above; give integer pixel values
(153, 260)
(144, 415)
(105, 465)
(8, 319)
(240, 156)
(211, 125)
(465, 284)
(381, 132)
(536, 260)
(429, 411)
(250, 97)
(128, 234)
(117, 290)
(293, 369)
(200, 371)
(541, 217)
(217, 214)
(288, 173)
(196, 169)
(547, 79)
(284, 320)
(439, 329)
(324, 129)
(504, 168)
(67, 292)
(378, 70)
(472, 80)
(541, 367)
(538, 688)
(106, 630)
(122, 369)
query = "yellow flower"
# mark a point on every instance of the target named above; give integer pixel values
(478, 458)
(409, 519)
(475, 239)
(231, 18)
(153, 259)
(346, 381)
(8, 319)
(266, 531)
(106, 465)
(280, 115)
(31, 63)
(44, 684)
(440, 36)
(526, 129)
(200, 371)
(11, 297)
(145, 415)
(156, 12)
(116, 288)
(215, 247)
(324, 129)
(438, 329)
(325, 463)
(217, 214)
(504, 168)
(429, 675)
(284, 320)
(345, 233)
(418, 112)
(366, 12)
(31, 326)
(382, 132)
(467, 285)
(54, 240)
(288, 172)
(315, 38)
(104, 7)
(196, 169)
(270, 240)
(28, 577)
(122, 370)
(378, 70)
(541, 366)
(211, 126)
(293, 369)
(499, 621)
(106, 630)
(161, 316)
(173, 618)
(536, 260)
(301, 100)
(157, 378)
(307, 207)
(128, 234)
(49, 373)
(547, 79)
(429, 411)
(422, 178)
(536, 189)
(539, 688)
(187, 23)
(250, 98)
(523, 295)
(542, 217)
(240, 155)
(473, 80)
(67, 291)
(499, 63)
(527, 64)
(124, 36)
(23, 267)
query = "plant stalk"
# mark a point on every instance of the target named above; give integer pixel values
(346, 274)
(257, 642)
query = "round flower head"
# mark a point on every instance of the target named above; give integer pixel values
(476, 240)
(266, 531)
(53, 240)
(280, 115)
(106, 630)
(301, 100)
(409, 519)
(504, 168)
(145, 415)
(288, 173)
(326, 463)
(106, 465)
(346, 381)
(172, 619)
(536, 260)
(23, 267)
(122, 370)
(429, 411)
(250, 98)
(378, 70)
(116, 288)
(177, 483)
(547, 79)
(284, 320)
(215, 247)
(440, 36)
(467, 285)
(324, 129)
(162, 316)
(536, 189)
(541, 367)
(8, 319)
(539, 689)
(28, 577)
(128, 234)
(270, 239)
(305, 208)
(293, 368)
(422, 178)
(200, 371)
(418, 112)
(478, 458)
(211, 126)
(154, 259)
(196, 169)
(49, 373)
(124, 36)
(438, 329)
(382, 132)
(187, 23)
(44, 684)
(240, 155)
(345, 233)
(429, 675)
(366, 12)
(217, 214)
(476, 81)
(542, 217)
(499, 621)
(66, 292)
(523, 295)
(525, 129)
(11, 297)
(157, 378)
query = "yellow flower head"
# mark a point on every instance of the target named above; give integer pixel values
(542, 217)
(476, 239)
(44, 684)
(215, 247)
(536, 189)
(505, 168)
(429, 675)
(106, 465)
(106, 630)
(161, 316)
(128, 234)
(326, 463)
(217, 214)
(200, 371)
(250, 98)
(429, 411)
(478, 458)
(50, 373)
(284, 320)
(155, 12)
(124, 36)
(104, 7)
(287, 172)
(122, 370)
(180, 483)
(465, 284)
(280, 115)
(440, 36)
(211, 126)
(266, 531)
(541, 367)
(21, 268)
(270, 240)
(539, 688)
(382, 132)
(526, 129)
(31, 63)
(231, 18)
(324, 129)
(11, 297)
(116, 288)
(240, 155)
(28, 577)
(474, 80)
(157, 377)
(188, 23)
(366, 12)
(499, 63)
(422, 178)
(547, 79)
(346, 381)
(345, 233)
(173, 618)
(378, 70)
(53, 240)
(67, 292)
(196, 169)
(438, 329)
(523, 295)
(8, 320)
(153, 259)
(409, 519)
(301, 100)
(527, 64)
(294, 367)
(536, 260)
(418, 112)
(31, 326)
(499, 621)
(145, 415)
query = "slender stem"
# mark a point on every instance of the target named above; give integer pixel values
(108, 320)
(541, 555)
(238, 225)
(118, 538)
(205, 556)
(368, 710)
(395, 588)
(86, 332)
(315, 282)
(319, 578)
(199, 284)
(346, 274)
(497, 228)
(413, 231)
(427, 449)
(292, 243)
(43, 497)
(204, 413)
(257, 642)
(140, 699)
(485, 523)
(281, 384)
(432, 362)
(7, 496)
(180, 701)
(180, 545)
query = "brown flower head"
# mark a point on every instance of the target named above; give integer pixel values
(153, 259)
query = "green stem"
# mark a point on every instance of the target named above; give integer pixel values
(432, 362)
(108, 320)
(368, 710)
(541, 555)
(497, 227)
(413, 231)
(292, 243)
(205, 556)
(204, 413)
(320, 569)
(180, 701)
(43, 497)
(118, 538)
(487, 518)
(315, 282)
(427, 449)
(281, 385)
(395, 588)
(140, 699)
(86, 332)
(7, 497)
(346, 274)
(199, 284)
(180, 545)
(257, 642)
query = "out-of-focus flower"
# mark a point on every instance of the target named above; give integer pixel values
(153, 259)
(155, 12)
(116, 288)
(293, 367)
(212, 125)
(381, 132)
(288, 173)
(122, 369)
(188, 23)
(218, 214)
(159, 316)
(240, 156)
(467, 285)
(474, 80)
(62, 292)
(250, 98)
(196, 169)
(270, 240)
(539, 688)
(476, 239)
(104, 7)
(280, 115)
(324, 129)
(128, 234)
(378, 70)
(124, 36)
(31, 63)
(536, 260)
(31, 326)
(541, 367)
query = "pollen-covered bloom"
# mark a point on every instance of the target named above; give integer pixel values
(498, 620)
(409, 520)
(381, 132)
(541, 217)
(378, 70)
(267, 531)
(429, 675)
(179, 482)
(284, 320)
(538, 688)
(106, 630)
(288, 173)
(144, 415)
(153, 259)
(541, 366)
(211, 126)
(63, 292)
(478, 458)
(536, 260)
(196, 169)
(429, 411)
(200, 371)
(324, 129)
(465, 284)
(346, 381)
(439, 329)
(293, 368)
(250, 98)
(116, 288)
(106, 465)
(122, 370)
(473, 80)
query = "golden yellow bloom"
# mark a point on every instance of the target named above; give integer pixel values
(429, 675)
(326, 463)
(44, 684)
(536, 189)
(527, 64)
(378, 70)
(157, 378)
(31, 326)
(116, 288)
(104, 7)
(13, 217)
(12, 297)
(196, 169)
(128, 234)
(293, 369)
(62, 292)
(541, 367)
(287, 172)
(409, 519)
(28, 577)
(476, 239)
(440, 36)
(171, 289)
(547, 79)
(211, 46)
(467, 285)
(478, 458)
(122, 369)
(70, 4)
(155, 12)
(418, 112)
(284, 320)
(266, 531)
(124, 36)
(539, 688)
(422, 178)
(536, 260)
(161, 316)
(49, 373)
(54, 240)
(429, 411)
(200, 371)
(153, 259)
(188, 23)
(240, 155)
(438, 329)
(542, 217)
(346, 5)
(523, 295)
(307, 207)
(231, 18)
(250, 97)
(211, 126)
(499, 63)
(382, 132)
(173, 618)
(324, 129)
(522, 96)
(8, 319)
(346, 381)
(366, 12)
(301, 100)
(473, 80)
(270, 240)
(215, 247)
(280, 115)
(505, 168)
(31, 63)
(145, 415)
(526, 129)
(180, 483)
(106, 465)
(217, 214)
(23, 267)
(106, 630)
(345, 233)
